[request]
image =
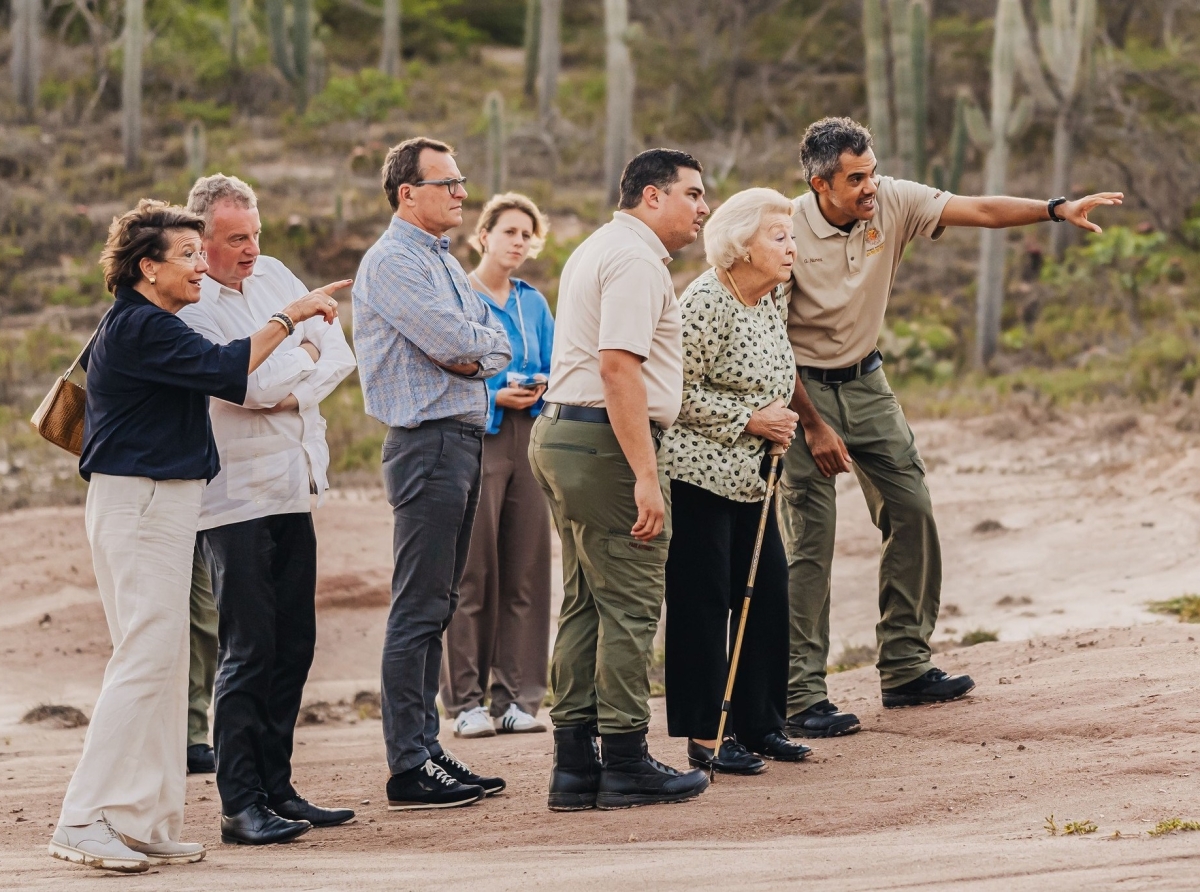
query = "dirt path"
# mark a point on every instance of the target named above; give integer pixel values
(1097, 515)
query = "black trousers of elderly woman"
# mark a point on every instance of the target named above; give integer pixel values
(707, 567)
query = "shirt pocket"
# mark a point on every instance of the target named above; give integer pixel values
(265, 469)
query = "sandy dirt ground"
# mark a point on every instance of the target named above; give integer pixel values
(1057, 531)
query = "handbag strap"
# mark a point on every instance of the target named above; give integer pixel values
(87, 346)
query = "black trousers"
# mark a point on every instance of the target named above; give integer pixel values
(707, 568)
(264, 575)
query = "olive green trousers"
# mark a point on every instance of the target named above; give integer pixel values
(866, 415)
(202, 667)
(613, 584)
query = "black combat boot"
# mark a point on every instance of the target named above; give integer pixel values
(631, 776)
(576, 775)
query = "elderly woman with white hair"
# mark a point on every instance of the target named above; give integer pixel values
(739, 373)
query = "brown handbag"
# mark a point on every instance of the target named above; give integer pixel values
(59, 418)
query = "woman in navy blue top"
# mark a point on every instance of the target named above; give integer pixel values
(148, 452)
(497, 642)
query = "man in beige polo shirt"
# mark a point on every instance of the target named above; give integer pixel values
(616, 382)
(851, 231)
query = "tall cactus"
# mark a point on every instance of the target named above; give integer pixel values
(1008, 121)
(897, 98)
(196, 146)
(291, 47)
(533, 19)
(549, 60)
(26, 53)
(949, 177)
(131, 83)
(618, 131)
(235, 33)
(497, 167)
(1056, 73)
(389, 58)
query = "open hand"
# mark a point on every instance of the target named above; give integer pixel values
(1077, 211)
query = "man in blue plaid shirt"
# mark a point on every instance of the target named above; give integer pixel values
(425, 341)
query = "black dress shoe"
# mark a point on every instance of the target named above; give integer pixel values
(428, 786)
(935, 686)
(732, 758)
(259, 826)
(200, 759)
(300, 809)
(464, 775)
(776, 745)
(822, 720)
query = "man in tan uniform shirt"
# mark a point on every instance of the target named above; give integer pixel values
(616, 382)
(851, 231)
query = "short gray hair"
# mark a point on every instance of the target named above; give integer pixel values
(825, 140)
(735, 223)
(208, 192)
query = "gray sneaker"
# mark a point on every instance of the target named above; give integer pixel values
(97, 845)
(168, 852)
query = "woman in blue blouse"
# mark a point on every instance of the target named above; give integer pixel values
(148, 452)
(497, 643)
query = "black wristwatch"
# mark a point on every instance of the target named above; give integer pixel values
(1052, 207)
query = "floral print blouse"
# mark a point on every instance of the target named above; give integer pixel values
(736, 359)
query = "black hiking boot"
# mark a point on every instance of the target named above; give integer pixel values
(935, 686)
(631, 776)
(822, 720)
(576, 774)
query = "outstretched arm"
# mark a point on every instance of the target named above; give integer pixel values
(1003, 211)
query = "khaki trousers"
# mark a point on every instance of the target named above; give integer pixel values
(501, 628)
(202, 667)
(133, 769)
(613, 584)
(866, 415)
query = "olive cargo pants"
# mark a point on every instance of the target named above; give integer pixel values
(202, 663)
(613, 584)
(866, 415)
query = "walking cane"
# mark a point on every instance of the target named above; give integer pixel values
(775, 452)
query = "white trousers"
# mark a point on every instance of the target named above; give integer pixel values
(134, 764)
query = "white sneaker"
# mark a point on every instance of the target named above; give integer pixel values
(517, 721)
(474, 723)
(97, 845)
(168, 852)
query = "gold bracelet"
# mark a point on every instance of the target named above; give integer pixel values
(283, 320)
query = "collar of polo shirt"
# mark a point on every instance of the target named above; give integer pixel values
(821, 227)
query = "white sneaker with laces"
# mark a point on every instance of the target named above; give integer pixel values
(517, 721)
(97, 845)
(169, 852)
(474, 723)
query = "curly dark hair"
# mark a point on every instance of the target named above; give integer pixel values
(141, 233)
(824, 142)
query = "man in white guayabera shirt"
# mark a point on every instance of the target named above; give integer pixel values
(256, 530)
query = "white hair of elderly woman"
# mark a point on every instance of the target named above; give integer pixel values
(733, 226)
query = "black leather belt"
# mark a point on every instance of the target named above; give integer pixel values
(590, 414)
(840, 376)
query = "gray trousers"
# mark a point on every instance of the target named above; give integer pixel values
(431, 475)
(501, 630)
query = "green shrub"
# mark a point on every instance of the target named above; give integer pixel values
(366, 96)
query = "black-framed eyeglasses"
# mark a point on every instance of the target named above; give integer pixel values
(451, 183)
